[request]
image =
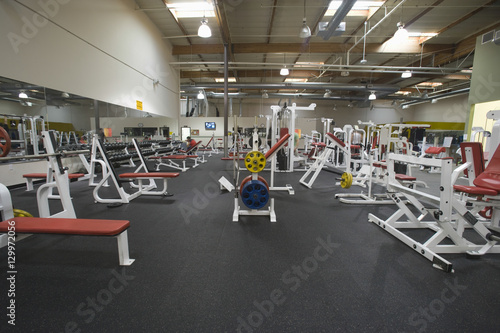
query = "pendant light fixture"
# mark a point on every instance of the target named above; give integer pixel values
(372, 96)
(284, 71)
(401, 33)
(406, 74)
(305, 31)
(204, 30)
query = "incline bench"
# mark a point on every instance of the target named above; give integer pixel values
(80, 227)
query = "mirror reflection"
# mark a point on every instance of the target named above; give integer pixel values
(26, 109)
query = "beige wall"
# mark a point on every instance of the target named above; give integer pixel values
(104, 50)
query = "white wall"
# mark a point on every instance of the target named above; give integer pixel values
(453, 110)
(104, 50)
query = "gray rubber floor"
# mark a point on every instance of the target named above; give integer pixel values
(321, 268)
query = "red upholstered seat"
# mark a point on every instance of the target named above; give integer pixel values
(435, 150)
(38, 225)
(474, 190)
(35, 175)
(333, 137)
(400, 176)
(129, 175)
(490, 177)
(175, 157)
(355, 147)
(319, 144)
(75, 175)
(379, 165)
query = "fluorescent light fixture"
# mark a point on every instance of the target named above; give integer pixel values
(308, 64)
(360, 8)
(430, 84)
(401, 33)
(229, 79)
(422, 34)
(372, 96)
(200, 95)
(191, 9)
(405, 106)
(204, 30)
(295, 80)
(434, 101)
(406, 74)
(22, 94)
(327, 94)
(402, 92)
(284, 71)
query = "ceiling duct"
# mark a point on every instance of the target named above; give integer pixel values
(335, 21)
(294, 85)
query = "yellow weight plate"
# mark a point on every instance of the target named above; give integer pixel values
(346, 181)
(21, 213)
(255, 161)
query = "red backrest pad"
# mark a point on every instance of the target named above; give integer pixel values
(490, 177)
(277, 145)
(477, 156)
(333, 137)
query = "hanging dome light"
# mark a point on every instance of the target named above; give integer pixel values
(200, 95)
(372, 96)
(284, 71)
(406, 74)
(265, 94)
(327, 94)
(305, 31)
(401, 33)
(22, 94)
(204, 30)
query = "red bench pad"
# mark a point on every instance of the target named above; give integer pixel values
(435, 150)
(475, 190)
(277, 145)
(149, 175)
(401, 176)
(333, 137)
(379, 165)
(169, 157)
(38, 225)
(35, 175)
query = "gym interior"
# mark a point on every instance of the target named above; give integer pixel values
(234, 166)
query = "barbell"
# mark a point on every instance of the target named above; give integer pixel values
(64, 153)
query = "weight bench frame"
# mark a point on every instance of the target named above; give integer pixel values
(116, 179)
(449, 220)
